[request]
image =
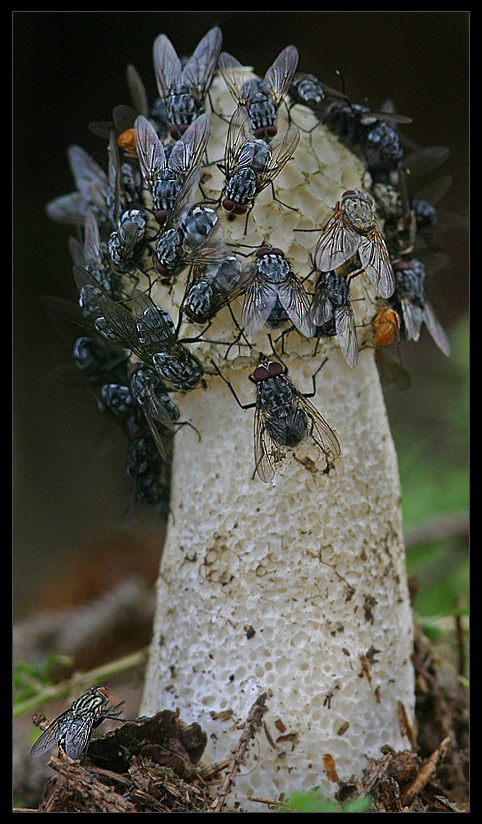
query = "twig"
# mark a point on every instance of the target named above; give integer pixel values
(446, 525)
(88, 679)
(425, 773)
(252, 724)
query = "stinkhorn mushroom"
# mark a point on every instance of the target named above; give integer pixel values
(291, 583)
(296, 587)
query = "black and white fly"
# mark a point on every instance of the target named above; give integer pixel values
(284, 417)
(72, 729)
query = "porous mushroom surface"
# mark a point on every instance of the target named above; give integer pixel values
(296, 587)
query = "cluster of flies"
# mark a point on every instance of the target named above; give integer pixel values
(150, 206)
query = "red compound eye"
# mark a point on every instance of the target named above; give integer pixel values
(161, 216)
(275, 369)
(260, 374)
(263, 250)
(158, 267)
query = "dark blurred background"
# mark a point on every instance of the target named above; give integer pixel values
(70, 492)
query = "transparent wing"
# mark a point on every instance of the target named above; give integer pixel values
(337, 243)
(187, 152)
(88, 175)
(167, 66)
(199, 69)
(51, 735)
(185, 198)
(77, 734)
(155, 329)
(92, 246)
(412, 318)
(239, 132)
(259, 299)
(376, 264)
(123, 325)
(70, 209)
(280, 74)
(296, 304)
(137, 91)
(267, 452)
(282, 149)
(435, 328)
(346, 334)
(321, 306)
(235, 76)
(150, 151)
(318, 429)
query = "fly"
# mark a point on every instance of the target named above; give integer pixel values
(183, 89)
(332, 313)
(168, 178)
(261, 97)
(352, 229)
(410, 300)
(152, 337)
(284, 417)
(251, 164)
(213, 286)
(272, 287)
(72, 729)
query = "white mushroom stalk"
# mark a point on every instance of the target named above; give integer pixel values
(296, 587)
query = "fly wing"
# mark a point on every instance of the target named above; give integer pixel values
(92, 244)
(167, 66)
(319, 430)
(51, 735)
(259, 299)
(346, 334)
(296, 304)
(435, 328)
(337, 243)
(70, 209)
(150, 151)
(185, 199)
(267, 452)
(137, 91)
(87, 174)
(235, 76)
(282, 149)
(376, 264)
(77, 735)
(188, 150)
(280, 74)
(123, 325)
(239, 132)
(321, 306)
(199, 69)
(412, 318)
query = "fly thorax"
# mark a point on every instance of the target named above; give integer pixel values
(199, 221)
(359, 212)
(117, 398)
(276, 396)
(410, 281)
(336, 286)
(273, 267)
(165, 190)
(261, 112)
(168, 246)
(199, 300)
(182, 106)
(136, 216)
